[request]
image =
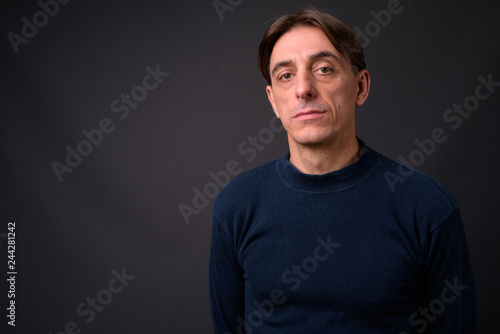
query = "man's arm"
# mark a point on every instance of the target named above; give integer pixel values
(226, 283)
(447, 286)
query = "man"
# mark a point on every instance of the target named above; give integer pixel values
(319, 241)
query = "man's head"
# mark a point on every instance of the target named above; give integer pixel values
(315, 68)
(340, 35)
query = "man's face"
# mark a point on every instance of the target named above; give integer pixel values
(314, 90)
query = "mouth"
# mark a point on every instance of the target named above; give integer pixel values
(308, 114)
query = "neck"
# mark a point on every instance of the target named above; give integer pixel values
(324, 158)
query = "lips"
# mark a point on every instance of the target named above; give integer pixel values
(308, 114)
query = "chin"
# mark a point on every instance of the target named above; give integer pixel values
(313, 138)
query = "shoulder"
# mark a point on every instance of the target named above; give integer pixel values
(246, 187)
(424, 196)
(401, 178)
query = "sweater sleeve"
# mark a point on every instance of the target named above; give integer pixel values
(448, 292)
(226, 283)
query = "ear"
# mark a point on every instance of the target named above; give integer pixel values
(363, 87)
(270, 96)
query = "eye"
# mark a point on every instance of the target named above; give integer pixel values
(286, 76)
(324, 70)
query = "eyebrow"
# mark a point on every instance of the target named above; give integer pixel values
(325, 54)
(315, 56)
(279, 65)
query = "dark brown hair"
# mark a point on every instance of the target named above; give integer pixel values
(340, 35)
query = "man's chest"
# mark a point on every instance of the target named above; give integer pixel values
(351, 261)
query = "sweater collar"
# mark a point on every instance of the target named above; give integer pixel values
(333, 181)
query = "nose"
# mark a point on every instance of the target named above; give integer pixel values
(305, 86)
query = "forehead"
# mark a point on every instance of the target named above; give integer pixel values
(300, 43)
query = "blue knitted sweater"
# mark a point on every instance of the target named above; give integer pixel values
(371, 248)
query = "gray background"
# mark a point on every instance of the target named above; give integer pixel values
(120, 207)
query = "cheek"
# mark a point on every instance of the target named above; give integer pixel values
(343, 98)
(282, 105)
